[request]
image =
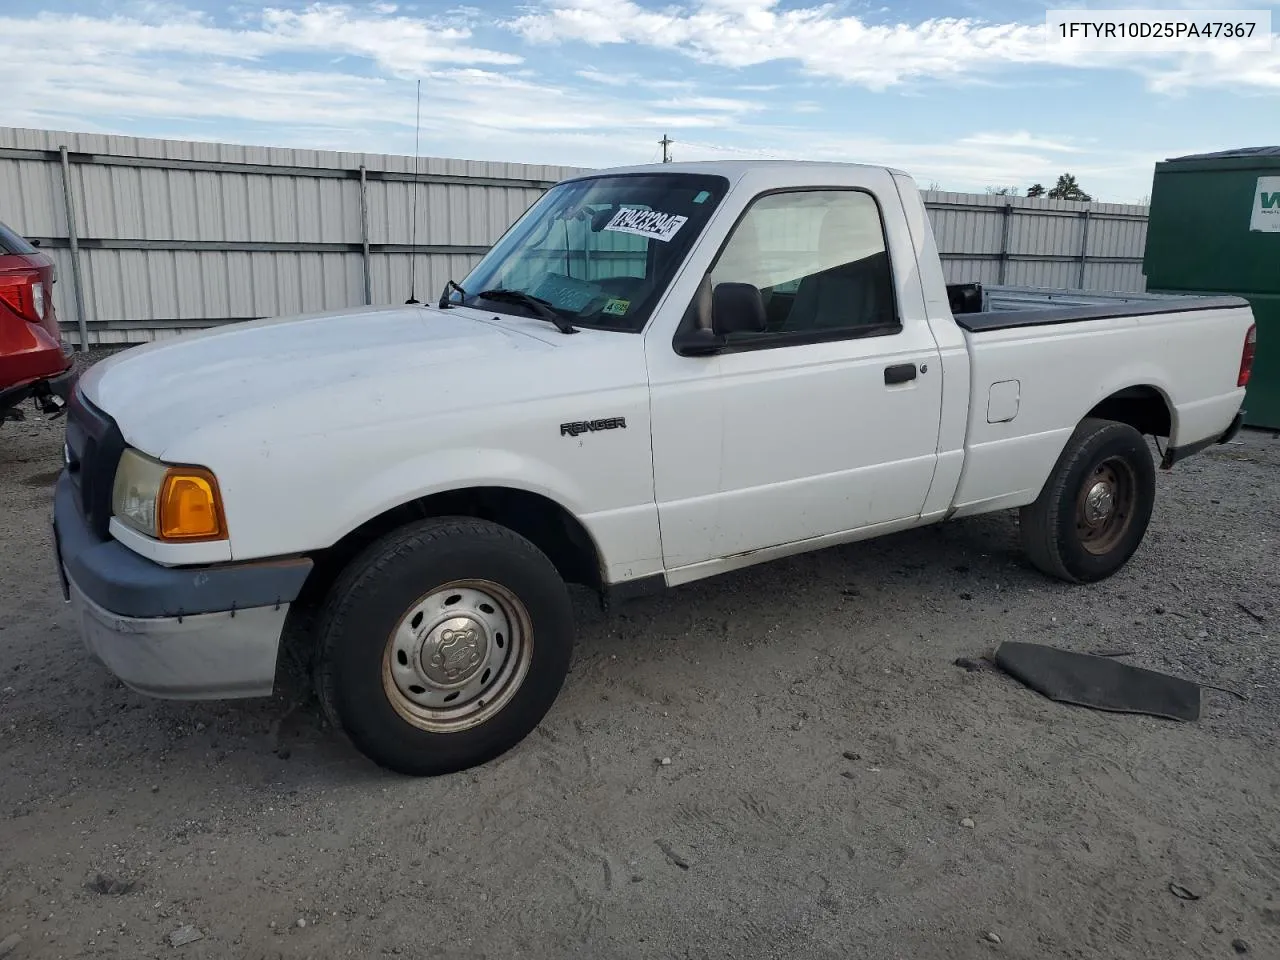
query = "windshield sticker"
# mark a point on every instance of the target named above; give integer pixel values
(646, 223)
(566, 293)
(616, 307)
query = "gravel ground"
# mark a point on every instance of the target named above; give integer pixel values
(837, 787)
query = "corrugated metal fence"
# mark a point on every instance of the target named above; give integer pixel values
(172, 235)
(1040, 243)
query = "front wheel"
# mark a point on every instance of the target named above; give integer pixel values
(1094, 510)
(443, 645)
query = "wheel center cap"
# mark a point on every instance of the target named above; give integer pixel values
(454, 651)
(1099, 502)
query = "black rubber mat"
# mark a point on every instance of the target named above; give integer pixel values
(1099, 682)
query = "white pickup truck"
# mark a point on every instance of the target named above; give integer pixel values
(658, 374)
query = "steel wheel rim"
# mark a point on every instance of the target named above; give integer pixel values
(1104, 507)
(457, 656)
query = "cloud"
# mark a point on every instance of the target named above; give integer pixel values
(606, 78)
(613, 78)
(323, 75)
(718, 104)
(1246, 73)
(854, 50)
(1022, 138)
(401, 45)
(339, 76)
(750, 32)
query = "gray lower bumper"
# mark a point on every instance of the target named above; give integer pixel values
(208, 656)
(186, 633)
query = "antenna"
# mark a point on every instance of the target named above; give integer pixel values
(413, 227)
(666, 153)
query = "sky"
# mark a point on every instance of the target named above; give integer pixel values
(964, 95)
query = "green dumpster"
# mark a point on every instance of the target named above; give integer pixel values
(1215, 228)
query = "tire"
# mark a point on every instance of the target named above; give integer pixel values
(443, 645)
(1067, 536)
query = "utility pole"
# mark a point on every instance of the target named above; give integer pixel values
(666, 143)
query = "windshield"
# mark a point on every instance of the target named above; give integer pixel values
(598, 251)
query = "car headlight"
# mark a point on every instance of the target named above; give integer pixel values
(165, 501)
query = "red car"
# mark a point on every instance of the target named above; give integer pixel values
(34, 363)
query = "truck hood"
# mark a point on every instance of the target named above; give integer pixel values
(162, 391)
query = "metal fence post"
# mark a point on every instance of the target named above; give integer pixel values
(73, 238)
(1004, 240)
(364, 236)
(1084, 248)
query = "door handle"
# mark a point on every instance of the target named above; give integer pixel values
(899, 373)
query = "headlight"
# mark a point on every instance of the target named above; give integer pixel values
(176, 503)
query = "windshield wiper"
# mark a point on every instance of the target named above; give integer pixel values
(444, 303)
(541, 307)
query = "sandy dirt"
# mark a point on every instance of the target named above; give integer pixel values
(837, 787)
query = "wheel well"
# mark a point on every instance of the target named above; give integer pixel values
(1143, 408)
(545, 523)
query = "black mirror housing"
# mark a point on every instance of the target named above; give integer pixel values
(737, 308)
(698, 342)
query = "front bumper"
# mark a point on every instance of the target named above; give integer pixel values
(210, 656)
(184, 633)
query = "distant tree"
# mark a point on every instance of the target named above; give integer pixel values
(1035, 190)
(1067, 189)
(934, 186)
(1002, 191)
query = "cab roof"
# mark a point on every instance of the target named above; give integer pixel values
(734, 170)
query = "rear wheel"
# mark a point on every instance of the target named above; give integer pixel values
(1094, 510)
(443, 645)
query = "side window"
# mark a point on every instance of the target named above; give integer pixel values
(819, 260)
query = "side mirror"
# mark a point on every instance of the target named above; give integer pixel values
(737, 308)
(734, 308)
(698, 342)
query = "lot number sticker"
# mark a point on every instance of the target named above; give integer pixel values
(1266, 206)
(646, 223)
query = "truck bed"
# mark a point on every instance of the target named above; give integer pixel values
(978, 308)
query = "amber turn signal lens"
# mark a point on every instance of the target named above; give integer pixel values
(190, 506)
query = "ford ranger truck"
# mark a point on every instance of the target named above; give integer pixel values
(656, 375)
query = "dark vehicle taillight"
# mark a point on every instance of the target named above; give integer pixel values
(1246, 355)
(23, 292)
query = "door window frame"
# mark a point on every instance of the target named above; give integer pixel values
(768, 340)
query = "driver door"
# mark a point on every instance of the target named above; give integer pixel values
(823, 422)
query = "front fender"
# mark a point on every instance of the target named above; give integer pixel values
(620, 518)
(441, 471)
